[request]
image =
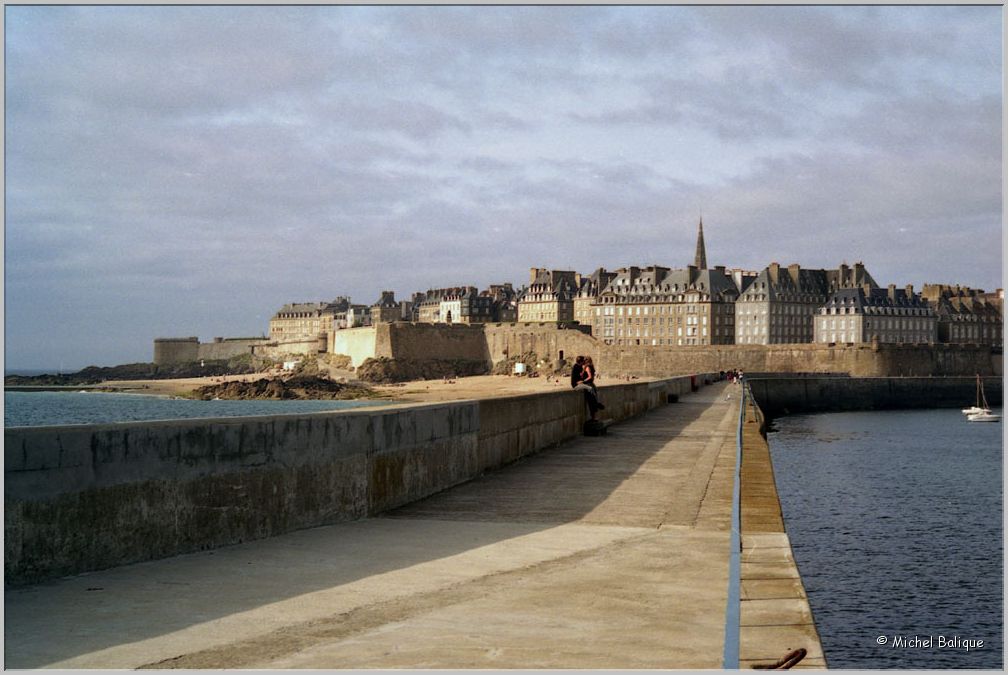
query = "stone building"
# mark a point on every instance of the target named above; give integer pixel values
(867, 314)
(464, 304)
(659, 306)
(428, 310)
(549, 296)
(779, 305)
(306, 320)
(505, 302)
(386, 309)
(967, 315)
(358, 315)
(590, 287)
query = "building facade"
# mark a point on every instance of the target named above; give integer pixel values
(780, 304)
(386, 310)
(549, 296)
(464, 304)
(589, 290)
(306, 320)
(967, 315)
(656, 306)
(866, 314)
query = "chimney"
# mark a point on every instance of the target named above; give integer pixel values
(533, 273)
(774, 270)
(892, 292)
(909, 291)
(721, 269)
(793, 271)
(691, 273)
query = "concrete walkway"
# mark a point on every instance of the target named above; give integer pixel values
(606, 552)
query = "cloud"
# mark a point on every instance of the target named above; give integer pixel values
(194, 168)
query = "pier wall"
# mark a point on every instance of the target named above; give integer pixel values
(782, 395)
(87, 497)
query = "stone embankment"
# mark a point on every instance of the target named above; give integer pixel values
(775, 616)
(781, 394)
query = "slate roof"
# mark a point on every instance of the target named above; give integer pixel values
(660, 284)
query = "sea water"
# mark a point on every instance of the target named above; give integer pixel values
(82, 407)
(895, 520)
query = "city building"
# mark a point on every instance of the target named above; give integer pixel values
(867, 314)
(464, 304)
(967, 315)
(505, 302)
(386, 310)
(306, 320)
(549, 296)
(779, 305)
(589, 289)
(658, 306)
(357, 316)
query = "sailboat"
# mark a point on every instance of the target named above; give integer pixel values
(973, 410)
(981, 413)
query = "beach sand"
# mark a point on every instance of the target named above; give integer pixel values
(481, 386)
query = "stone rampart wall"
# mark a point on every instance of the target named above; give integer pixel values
(357, 343)
(176, 350)
(189, 349)
(496, 342)
(278, 350)
(782, 395)
(87, 497)
(441, 341)
(544, 339)
(228, 349)
(857, 361)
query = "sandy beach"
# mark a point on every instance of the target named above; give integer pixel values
(481, 386)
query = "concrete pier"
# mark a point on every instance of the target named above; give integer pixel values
(607, 552)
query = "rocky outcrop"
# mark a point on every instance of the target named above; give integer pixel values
(384, 370)
(277, 389)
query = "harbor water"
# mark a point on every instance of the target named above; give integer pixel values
(895, 520)
(38, 408)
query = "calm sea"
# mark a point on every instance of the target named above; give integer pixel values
(895, 519)
(68, 407)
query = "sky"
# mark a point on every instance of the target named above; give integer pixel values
(183, 170)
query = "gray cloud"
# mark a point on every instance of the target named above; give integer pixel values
(194, 168)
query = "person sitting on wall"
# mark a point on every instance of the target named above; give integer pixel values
(577, 382)
(589, 377)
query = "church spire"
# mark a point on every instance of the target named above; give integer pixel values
(701, 251)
